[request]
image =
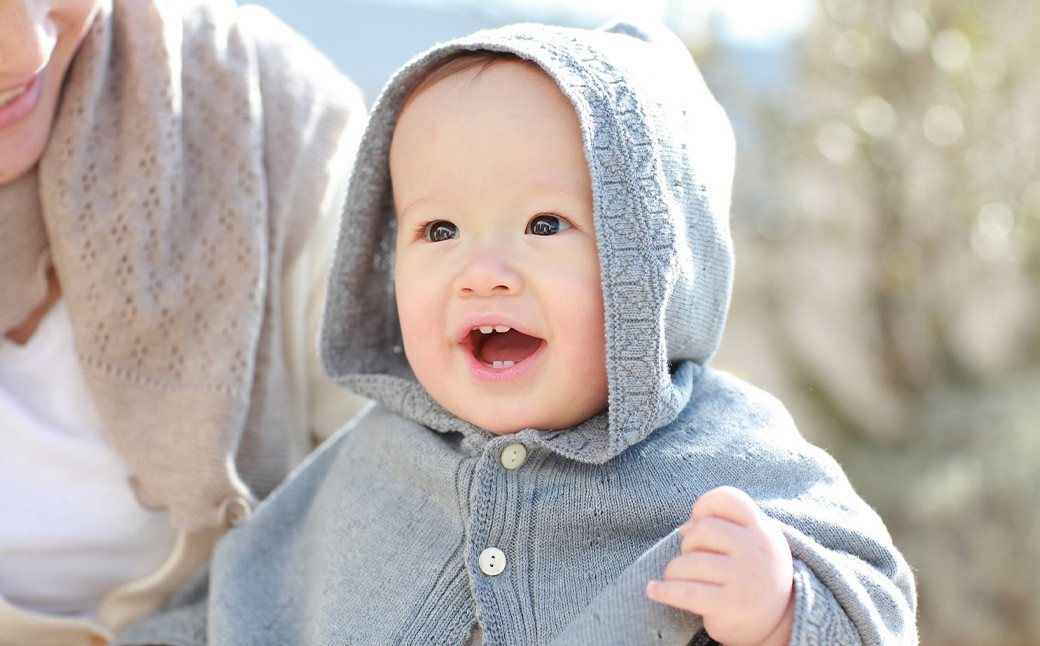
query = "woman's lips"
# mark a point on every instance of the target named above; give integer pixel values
(10, 95)
(17, 103)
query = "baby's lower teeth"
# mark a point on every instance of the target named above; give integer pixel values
(502, 364)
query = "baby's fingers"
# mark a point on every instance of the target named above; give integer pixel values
(691, 596)
(700, 567)
(710, 535)
(727, 503)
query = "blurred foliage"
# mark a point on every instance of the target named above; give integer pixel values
(887, 215)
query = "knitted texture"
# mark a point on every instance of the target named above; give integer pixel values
(194, 146)
(657, 205)
(379, 538)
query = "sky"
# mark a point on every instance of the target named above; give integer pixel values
(368, 39)
(760, 20)
(745, 21)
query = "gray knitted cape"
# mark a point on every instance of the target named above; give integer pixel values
(377, 538)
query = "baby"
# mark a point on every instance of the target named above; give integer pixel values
(533, 271)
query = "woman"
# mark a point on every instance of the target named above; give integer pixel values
(170, 175)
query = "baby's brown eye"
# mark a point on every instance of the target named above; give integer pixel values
(546, 224)
(440, 231)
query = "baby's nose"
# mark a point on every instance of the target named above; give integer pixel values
(489, 271)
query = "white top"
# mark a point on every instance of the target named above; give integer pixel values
(70, 527)
(321, 407)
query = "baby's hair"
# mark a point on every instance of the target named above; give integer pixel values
(465, 61)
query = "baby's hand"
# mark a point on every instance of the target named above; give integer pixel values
(735, 571)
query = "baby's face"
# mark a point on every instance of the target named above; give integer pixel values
(38, 39)
(497, 275)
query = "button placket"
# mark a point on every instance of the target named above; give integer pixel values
(492, 560)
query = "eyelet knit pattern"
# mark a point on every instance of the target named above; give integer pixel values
(190, 156)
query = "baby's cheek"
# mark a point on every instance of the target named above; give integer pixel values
(415, 325)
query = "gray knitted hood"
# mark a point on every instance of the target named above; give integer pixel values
(660, 154)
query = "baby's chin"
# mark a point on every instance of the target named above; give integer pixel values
(508, 425)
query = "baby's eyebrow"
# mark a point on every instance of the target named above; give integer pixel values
(408, 210)
(428, 199)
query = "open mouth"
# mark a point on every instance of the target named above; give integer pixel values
(10, 95)
(500, 346)
(17, 103)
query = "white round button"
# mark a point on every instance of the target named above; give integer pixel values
(236, 510)
(492, 561)
(513, 456)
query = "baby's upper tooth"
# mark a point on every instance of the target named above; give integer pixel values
(488, 329)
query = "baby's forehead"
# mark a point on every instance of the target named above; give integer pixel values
(492, 80)
(480, 85)
(466, 65)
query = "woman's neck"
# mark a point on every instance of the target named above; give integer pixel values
(21, 333)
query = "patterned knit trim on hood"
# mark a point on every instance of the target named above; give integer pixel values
(660, 154)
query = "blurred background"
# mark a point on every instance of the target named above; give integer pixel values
(886, 217)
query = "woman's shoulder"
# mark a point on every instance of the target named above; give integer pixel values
(281, 53)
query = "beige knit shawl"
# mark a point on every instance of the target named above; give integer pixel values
(167, 227)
